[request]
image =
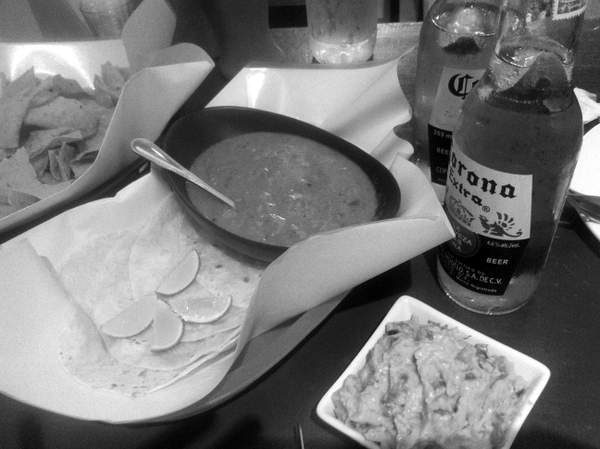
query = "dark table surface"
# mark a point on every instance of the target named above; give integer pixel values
(559, 327)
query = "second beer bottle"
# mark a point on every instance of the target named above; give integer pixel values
(456, 42)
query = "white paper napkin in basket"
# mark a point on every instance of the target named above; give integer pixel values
(364, 106)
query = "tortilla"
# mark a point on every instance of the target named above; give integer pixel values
(13, 107)
(84, 355)
(135, 351)
(96, 275)
(40, 140)
(168, 237)
(18, 175)
(13, 200)
(91, 145)
(110, 272)
(232, 320)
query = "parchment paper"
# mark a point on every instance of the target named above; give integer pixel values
(364, 106)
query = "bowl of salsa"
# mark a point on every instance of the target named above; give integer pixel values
(287, 178)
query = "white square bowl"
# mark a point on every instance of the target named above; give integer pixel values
(533, 372)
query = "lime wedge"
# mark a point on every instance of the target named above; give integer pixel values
(132, 320)
(181, 275)
(202, 308)
(167, 328)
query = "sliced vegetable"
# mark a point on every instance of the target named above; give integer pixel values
(181, 276)
(166, 329)
(201, 309)
(132, 320)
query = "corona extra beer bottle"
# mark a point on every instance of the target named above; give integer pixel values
(456, 42)
(513, 154)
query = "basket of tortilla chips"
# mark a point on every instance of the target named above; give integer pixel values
(51, 129)
(68, 110)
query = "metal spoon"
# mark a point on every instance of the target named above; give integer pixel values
(152, 152)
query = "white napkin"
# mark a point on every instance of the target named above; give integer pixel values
(590, 109)
(585, 176)
(338, 260)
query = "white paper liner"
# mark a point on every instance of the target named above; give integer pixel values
(366, 103)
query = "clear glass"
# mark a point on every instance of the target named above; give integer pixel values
(342, 31)
(106, 18)
(456, 34)
(522, 118)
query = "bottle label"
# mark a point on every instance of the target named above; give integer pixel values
(490, 211)
(567, 9)
(440, 142)
(454, 86)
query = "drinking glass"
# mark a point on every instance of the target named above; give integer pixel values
(342, 31)
(106, 18)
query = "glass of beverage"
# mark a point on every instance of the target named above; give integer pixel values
(342, 31)
(106, 18)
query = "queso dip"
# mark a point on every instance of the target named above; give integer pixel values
(285, 187)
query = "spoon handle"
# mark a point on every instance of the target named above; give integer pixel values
(155, 154)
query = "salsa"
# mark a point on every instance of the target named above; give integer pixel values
(427, 386)
(285, 187)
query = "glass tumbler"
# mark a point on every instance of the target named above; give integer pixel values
(342, 31)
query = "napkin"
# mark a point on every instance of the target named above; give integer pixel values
(590, 109)
(585, 176)
(364, 107)
(164, 77)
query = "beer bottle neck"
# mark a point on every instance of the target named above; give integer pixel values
(557, 20)
(534, 54)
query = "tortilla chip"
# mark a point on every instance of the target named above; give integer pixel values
(79, 167)
(44, 93)
(102, 94)
(6, 153)
(54, 86)
(104, 115)
(24, 83)
(67, 87)
(60, 162)
(63, 112)
(17, 173)
(4, 82)
(16, 198)
(112, 77)
(39, 141)
(40, 164)
(13, 108)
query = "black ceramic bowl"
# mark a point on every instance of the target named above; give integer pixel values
(190, 135)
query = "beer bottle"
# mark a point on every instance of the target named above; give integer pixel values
(456, 42)
(514, 150)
